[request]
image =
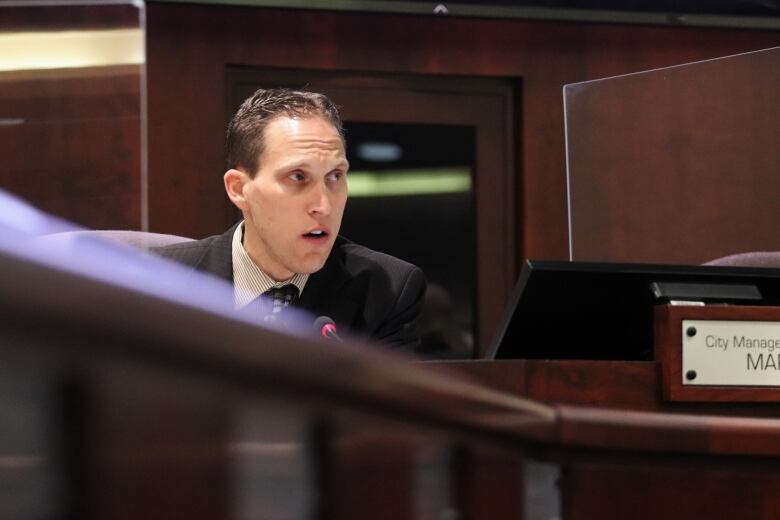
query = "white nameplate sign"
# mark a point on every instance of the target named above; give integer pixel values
(731, 353)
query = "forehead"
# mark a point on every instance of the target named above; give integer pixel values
(314, 132)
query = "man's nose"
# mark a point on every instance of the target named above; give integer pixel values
(321, 203)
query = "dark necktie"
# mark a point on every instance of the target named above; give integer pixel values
(277, 298)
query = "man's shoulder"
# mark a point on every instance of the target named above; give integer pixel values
(389, 292)
(211, 254)
(360, 259)
(186, 251)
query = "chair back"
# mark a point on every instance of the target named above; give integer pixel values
(139, 239)
(752, 259)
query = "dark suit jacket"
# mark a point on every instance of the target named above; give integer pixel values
(363, 291)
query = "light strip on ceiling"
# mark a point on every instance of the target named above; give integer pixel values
(409, 182)
(70, 49)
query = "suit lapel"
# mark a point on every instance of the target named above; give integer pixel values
(327, 291)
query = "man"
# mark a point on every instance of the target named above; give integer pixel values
(287, 173)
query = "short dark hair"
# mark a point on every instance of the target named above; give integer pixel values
(245, 140)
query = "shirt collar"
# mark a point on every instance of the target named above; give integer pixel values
(249, 281)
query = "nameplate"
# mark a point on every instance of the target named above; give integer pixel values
(730, 353)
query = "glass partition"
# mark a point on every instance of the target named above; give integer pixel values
(675, 165)
(72, 101)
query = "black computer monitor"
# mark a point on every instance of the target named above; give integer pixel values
(604, 311)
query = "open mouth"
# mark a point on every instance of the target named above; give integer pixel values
(318, 234)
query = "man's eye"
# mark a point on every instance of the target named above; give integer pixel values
(296, 176)
(335, 176)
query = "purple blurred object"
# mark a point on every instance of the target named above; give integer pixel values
(752, 259)
(18, 217)
(101, 262)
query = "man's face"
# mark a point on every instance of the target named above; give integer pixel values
(294, 204)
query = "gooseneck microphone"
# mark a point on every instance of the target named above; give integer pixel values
(327, 328)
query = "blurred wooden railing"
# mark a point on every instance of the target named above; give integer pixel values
(120, 404)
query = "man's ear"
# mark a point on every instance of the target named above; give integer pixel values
(234, 186)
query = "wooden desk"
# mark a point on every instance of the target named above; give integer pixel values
(625, 385)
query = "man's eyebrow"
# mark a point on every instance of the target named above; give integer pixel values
(292, 165)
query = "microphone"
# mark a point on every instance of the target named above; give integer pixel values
(327, 328)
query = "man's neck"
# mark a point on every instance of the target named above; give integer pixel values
(254, 249)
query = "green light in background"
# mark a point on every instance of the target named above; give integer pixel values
(409, 182)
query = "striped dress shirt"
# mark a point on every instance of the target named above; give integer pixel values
(249, 281)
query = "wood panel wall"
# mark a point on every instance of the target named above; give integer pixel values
(70, 138)
(189, 47)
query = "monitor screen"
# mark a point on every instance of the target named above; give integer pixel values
(604, 311)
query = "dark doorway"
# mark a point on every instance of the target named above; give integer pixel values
(411, 196)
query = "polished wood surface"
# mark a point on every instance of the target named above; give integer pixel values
(622, 385)
(672, 489)
(71, 138)
(53, 17)
(190, 48)
(668, 351)
(73, 144)
(617, 396)
(648, 432)
(160, 406)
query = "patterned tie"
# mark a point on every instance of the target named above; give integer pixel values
(277, 299)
